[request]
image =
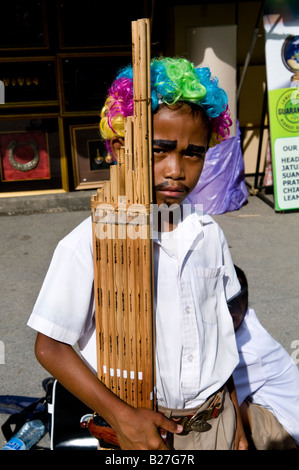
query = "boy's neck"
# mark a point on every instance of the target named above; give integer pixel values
(168, 220)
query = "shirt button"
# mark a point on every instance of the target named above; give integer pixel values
(190, 358)
(188, 309)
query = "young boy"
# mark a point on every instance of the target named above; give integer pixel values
(194, 277)
(266, 380)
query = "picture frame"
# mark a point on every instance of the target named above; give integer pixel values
(25, 155)
(29, 82)
(84, 80)
(88, 157)
(90, 28)
(32, 156)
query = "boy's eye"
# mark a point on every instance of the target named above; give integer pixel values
(195, 151)
(162, 147)
(159, 151)
(195, 155)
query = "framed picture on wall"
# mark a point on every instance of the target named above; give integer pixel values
(25, 156)
(31, 155)
(90, 26)
(24, 25)
(91, 161)
(84, 80)
(29, 82)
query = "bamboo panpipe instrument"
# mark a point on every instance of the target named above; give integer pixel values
(122, 243)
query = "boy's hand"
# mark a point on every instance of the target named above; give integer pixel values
(139, 428)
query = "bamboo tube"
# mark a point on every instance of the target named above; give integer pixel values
(114, 184)
(125, 317)
(149, 367)
(139, 323)
(143, 110)
(117, 312)
(123, 182)
(118, 185)
(137, 121)
(98, 303)
(144, 257)
(100, 299)
(108, 291)
(132, 322)
(121, 163)
(130, 258)
(129, 153)
(149, 112)
(103, 339)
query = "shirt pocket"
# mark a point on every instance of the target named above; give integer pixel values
(209, 289)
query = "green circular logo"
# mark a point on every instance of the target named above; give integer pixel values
(287, 110)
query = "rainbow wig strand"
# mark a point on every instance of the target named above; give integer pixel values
(172, 80)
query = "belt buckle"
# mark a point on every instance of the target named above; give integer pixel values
(199, 422)
(196, 423)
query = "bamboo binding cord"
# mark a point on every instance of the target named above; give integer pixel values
(123, 249)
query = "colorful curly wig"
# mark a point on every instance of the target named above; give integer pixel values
(172, 80)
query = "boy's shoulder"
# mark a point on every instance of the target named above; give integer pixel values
(81, 234)
(252, 335)
(197, 212)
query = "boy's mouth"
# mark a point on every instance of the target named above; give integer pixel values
(172, 190)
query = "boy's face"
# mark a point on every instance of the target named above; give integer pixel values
(180, 141)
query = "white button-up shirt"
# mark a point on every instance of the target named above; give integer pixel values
(266, 374)
(195, 341)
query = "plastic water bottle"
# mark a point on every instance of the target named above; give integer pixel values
(29, 434)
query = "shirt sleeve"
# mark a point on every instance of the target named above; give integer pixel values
(65, 305)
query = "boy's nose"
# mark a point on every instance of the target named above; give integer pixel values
(174, 167)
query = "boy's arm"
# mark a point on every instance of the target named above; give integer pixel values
(240, 442)
(136, 428)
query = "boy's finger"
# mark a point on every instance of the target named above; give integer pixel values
(171, 426)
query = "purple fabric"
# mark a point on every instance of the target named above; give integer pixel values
(221, 186)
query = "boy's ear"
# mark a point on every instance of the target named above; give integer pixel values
(116, 143)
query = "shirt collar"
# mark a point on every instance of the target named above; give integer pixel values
(189, 232)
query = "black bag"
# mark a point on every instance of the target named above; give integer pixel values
(61, 413)
(65, 414)
(21, 413)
